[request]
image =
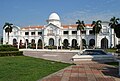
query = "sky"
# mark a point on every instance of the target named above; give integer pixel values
(35, 12)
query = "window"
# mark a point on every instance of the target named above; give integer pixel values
(65, 32)
(91, 32)
(39, 33)
(83, 32)
(32, 33)
(105, 29)
(26, 33)
(74, 32)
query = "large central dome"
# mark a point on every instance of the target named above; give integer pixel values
(54, 16)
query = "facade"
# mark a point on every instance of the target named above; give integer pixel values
(56, 34)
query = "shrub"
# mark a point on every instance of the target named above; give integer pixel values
(11, 53)
(8, 48)
(118, 46)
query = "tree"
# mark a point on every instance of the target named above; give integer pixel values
(113, 23)
(96, 29)
(117, 32)
(8, 29)
(80, 27)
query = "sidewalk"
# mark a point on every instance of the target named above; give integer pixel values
(92, 71)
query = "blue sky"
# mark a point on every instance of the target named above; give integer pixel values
(36, 12)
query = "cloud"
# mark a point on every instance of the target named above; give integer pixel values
(88, 16)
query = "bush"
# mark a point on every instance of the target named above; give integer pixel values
(11, 53)
(118, 46)
(8, 48)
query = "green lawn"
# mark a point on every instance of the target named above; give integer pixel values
(23, 68)
(111, 50)
(113, 63)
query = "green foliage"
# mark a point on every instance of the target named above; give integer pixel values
(96, 26)
(8, 48)
(80, 25)
(113, 63)
(113, 22)
(11, 53)
(51, 47)
(27, 68)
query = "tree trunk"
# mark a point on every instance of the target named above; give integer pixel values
(81, 42)
(95, 41)
(8, 38)
(114, 40)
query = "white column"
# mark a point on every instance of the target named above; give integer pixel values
(4, 37)
(36, 45)
(18, 42)
(26, 44)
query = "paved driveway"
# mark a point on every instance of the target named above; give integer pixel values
(51, 55)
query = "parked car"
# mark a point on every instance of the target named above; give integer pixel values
(95, 55)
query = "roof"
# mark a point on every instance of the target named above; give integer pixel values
(33, 27)
(64, 26)
(74, 26)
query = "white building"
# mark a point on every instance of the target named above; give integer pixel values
(56, 34)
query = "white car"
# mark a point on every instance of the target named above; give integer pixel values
(95, 55)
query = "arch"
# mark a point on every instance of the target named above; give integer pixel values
(84, 42)
(26, 40)
(33, 45)
(40, 43)
(65, 43)
(20, 45)
(14, 42)
(92, 42)
(74, 43)
(51, 42)
(104, 43)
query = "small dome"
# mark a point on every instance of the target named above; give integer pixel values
(54, 16)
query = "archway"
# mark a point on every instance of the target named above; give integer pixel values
(92, 43)
(84, 43)
(51, 42)
(14, 42)
(33, 45)
(40, 44)
(27, 41)
(65, 43)
(104, 43)
(74, 43)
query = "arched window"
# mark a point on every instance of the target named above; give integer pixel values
(39, 43)
(91, 42)
(104, 43)
(65, 43)
(74, 43)
(14, 42)
(33, 45)
(51, 42)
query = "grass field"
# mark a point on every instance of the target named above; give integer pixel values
(23, 68)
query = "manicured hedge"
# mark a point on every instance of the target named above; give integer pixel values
(8, 48)
(11, 53)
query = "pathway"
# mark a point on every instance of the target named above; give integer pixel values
(85, 72)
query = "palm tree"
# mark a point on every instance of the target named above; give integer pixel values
(80, 27)
(8, 29)
(96, 29)
(113, 23)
